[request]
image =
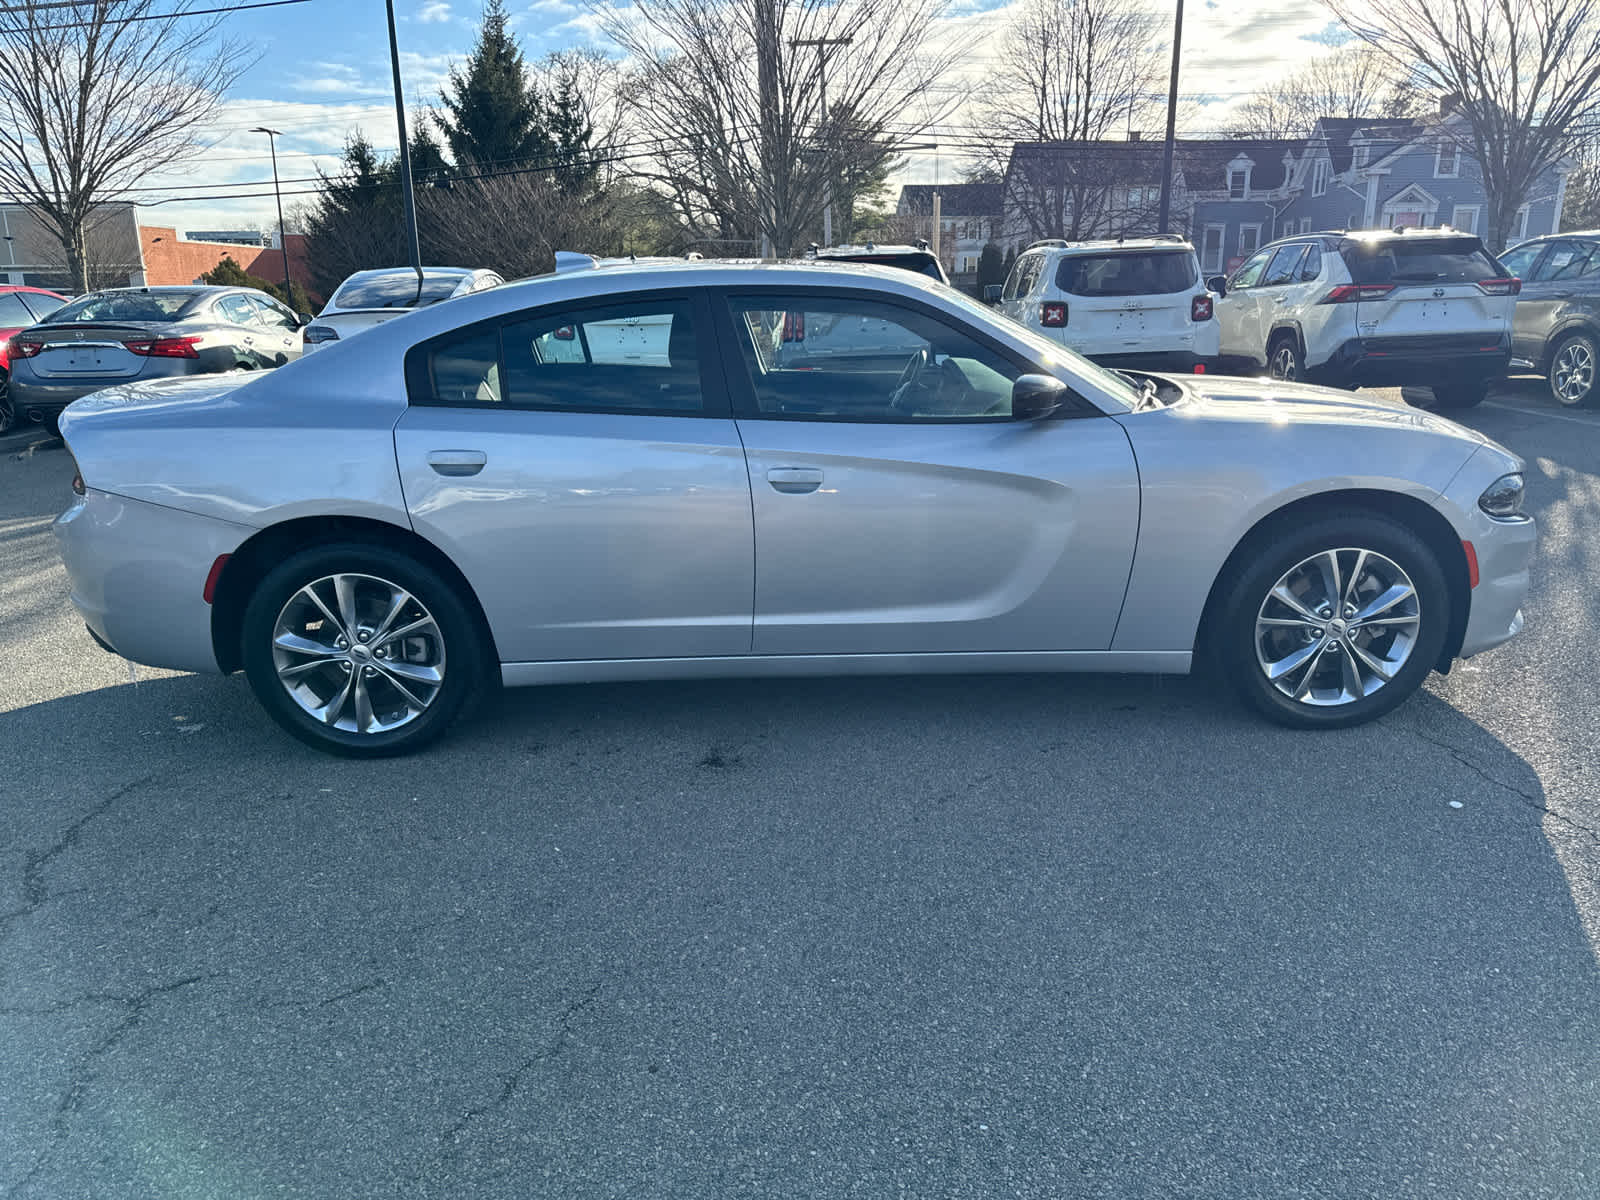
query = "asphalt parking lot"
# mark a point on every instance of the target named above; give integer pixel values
(929, 937)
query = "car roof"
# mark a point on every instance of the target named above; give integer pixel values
(1103, 245)
(23, 287)
(437, 272)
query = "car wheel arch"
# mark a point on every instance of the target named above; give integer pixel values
(259, 553)
(1425, 520)
(1561, 333)
(1292, 328)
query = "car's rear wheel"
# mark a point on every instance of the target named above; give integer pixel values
(361, 650)
(1334, 623)
(1572, 371)
(1455, 395)
(1284, 360)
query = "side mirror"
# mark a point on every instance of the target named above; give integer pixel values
(1034, 397)
(1218, 284)
(304, 319)
(991, 293)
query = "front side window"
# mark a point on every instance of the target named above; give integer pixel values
(1566, 260)
(848, 359)
(1249, 273)
(273, 314)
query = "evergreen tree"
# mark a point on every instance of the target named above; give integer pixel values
(428, 165)
(355, 223)
(491, 113)
(991, 267)
(567, 128)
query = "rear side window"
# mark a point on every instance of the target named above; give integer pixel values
(238, 310)
(1311, 265)
(14, 313)
(397, 291)
(41, 304)
(124, 306)
(1568, 260)
(1144, 274)
(1419, 260)
(1283, 266)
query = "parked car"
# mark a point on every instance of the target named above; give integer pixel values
(916, 258)
(19, 308)
(370, 298)
(379, 534)
(1382, 308)
(120, 334)
(1556, 330)
(1132, 302)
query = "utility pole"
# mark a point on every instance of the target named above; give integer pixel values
(766, 20)
(937, 219)
(283, 237)
(407, 199)
(1165, 214)
(822, 45)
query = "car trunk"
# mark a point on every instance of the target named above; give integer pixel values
(1124, 295)
(1126, 316)
(92, 350)
(1433, 293)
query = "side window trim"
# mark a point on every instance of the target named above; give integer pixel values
(421, 392)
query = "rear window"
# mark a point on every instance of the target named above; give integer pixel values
(397, 291)
(1417, 260)
(123, 306)
(922, 264)
(1152, 274)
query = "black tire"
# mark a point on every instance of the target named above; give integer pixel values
(1243, 650)
(1284, 360)
(1457, 395)
(455, 641)
(1574, 364)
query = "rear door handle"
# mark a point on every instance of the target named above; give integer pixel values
(457, 462)
(795, 481)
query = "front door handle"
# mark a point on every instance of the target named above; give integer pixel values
(795, 481)
(457, 462)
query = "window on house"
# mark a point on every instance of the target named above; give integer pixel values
(1519, 227)
(1238, 181)
(1448, 162)
(1249, 240)
(1319, 177)
(1211, 248)
(1361, 155)
(1305, 224)
(1465, 218)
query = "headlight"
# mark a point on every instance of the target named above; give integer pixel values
(1503, 498)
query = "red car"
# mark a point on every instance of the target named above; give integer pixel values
(19, 308)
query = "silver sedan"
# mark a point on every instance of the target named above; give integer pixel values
(688, 470)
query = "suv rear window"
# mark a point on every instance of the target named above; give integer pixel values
(923, 263)
(1416, 260)
(398, 290)
(1145, 274)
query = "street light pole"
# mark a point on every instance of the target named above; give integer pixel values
(1172, 120)
(283, 236)
(407, 200)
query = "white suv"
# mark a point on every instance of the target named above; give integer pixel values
(1386, 308)
(1136, 302)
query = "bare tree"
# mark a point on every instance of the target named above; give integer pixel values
(1074, 71)
(1527, 73)
(1355, 81)
(727, 96)
(98, 95)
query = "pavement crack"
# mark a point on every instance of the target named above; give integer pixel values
(511, 1081)
(1533, 800)
(351, 993)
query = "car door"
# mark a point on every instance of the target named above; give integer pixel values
(244, 330)
(1237, 324)
(1562, 290)
(282, 338)
(584, 472)
(1019, 286)
(1530, 318)
(898, 506)
(1275, 292)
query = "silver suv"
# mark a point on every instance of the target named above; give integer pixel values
(1557, 326)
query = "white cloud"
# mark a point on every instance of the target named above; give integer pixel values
(436, 13)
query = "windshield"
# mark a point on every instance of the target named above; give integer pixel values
(1419, 260)
(122, 306)
(398, 290)
(1146, 274)
(1051, 354)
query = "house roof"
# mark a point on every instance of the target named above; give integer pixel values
(955, 199)
(1339, 132)
(169, 261)
(1203, 161)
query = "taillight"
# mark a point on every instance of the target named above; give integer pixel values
(1200, 308)
(1500, 287)
(794, 327)
(168, 347)
(316, 334)
(1347, 293)
(77, 478)
(1052, 314)
(21, 349)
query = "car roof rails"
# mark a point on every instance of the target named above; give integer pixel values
(1048, 242)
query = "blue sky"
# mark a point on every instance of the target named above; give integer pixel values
(324, 70)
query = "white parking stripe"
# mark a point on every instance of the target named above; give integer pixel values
(1534, 412)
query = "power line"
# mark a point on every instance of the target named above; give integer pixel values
(176, 15)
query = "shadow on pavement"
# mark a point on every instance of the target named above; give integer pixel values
(933, 936)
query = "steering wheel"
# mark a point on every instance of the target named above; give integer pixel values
(919, 362)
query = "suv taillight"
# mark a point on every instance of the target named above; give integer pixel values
(1052, 314)
(1347, 293)
(1500, 287)
(1200, 308)
(168, 347)
(20, 349)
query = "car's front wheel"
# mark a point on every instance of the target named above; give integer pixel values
(1334, 623)
(1284, 360)
(361, 650)
(1572, 371)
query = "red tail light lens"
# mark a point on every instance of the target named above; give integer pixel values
(175, 347)
(21, 349)
(1500, 287)
(1200, 308)
(1348, 293)
(794, 327)
(1053, 315)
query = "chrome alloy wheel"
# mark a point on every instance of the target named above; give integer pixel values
(1283, 364)
(1337, 627)
(358, 653)
(1572, 374)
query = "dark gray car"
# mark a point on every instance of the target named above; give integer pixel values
(1557, 326)
(125, 334)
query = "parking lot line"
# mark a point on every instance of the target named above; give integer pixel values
(1534, 412)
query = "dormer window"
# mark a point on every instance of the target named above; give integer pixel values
(1319, 177)
(1239, 178)
(1447, 164)
(1361, 149)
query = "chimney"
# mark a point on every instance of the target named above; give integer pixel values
(1135, 135)
(1449, 103)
